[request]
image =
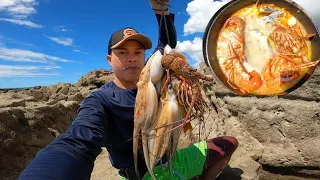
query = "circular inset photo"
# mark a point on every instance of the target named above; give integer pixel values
(265, 47)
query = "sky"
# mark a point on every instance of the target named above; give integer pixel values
(44, 42)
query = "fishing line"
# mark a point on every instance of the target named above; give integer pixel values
(165, 22)
(167, 33)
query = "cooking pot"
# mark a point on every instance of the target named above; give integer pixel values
(218, 19)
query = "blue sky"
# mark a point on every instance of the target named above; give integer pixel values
(69, 38)
(44, 42)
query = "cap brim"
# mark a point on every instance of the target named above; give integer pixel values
(144, 40)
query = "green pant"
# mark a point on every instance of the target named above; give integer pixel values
(187, 163)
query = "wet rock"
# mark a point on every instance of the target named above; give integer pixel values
(96, 78)
(64, 90)
(279, 132)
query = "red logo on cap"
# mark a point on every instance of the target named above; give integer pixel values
(128, 32)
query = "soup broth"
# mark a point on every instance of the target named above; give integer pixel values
(266, 52)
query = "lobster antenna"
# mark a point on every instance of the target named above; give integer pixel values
(257, 3)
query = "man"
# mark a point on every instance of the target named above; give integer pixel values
(105, 118)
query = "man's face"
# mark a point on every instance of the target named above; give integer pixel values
(127, 60)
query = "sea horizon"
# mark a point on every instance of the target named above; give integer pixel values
(19, 88)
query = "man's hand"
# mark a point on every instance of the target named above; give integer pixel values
(159, 5)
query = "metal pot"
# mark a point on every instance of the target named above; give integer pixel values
(216, 22)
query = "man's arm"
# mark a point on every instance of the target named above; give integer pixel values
(72, 154)
(167, 30)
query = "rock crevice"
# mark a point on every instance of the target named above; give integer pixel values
(279, 136)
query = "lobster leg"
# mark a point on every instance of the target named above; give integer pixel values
(167, 81)
(184, 90)
(229, 64)
(193, 101)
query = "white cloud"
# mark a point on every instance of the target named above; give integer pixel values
(62, 29)
(18, 8)
(78, 51)
(21, 10)
(51, 67)
(201, 11)
(22, 22)
(6, 3)
(62, 40)
(192, 48)
(28, 56)
(49, 63)
(26, 71)
(5, 41)
(312, 9)
(18, 11)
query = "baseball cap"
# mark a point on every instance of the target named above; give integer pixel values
(121, 36)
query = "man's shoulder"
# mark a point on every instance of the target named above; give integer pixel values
(111, 95)
(105, 90)
(107, 85)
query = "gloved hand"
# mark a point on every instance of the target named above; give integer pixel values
(157, 5)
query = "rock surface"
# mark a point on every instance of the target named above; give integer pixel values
(279, 136)
(31, 118)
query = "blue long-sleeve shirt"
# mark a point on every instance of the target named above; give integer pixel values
(105, 118)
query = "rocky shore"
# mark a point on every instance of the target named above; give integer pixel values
(279, 136)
